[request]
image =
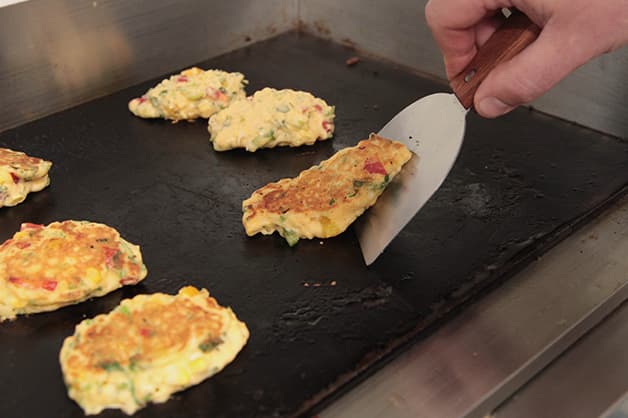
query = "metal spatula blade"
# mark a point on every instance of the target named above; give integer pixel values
(433, 129)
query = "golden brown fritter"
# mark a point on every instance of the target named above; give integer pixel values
(45, 267)
(148, 333)
(147, 348)
(325, 199)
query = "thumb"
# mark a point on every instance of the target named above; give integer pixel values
(530, 74)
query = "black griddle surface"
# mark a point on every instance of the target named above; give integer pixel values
(518, 185)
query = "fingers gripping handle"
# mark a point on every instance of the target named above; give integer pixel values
(517, 32)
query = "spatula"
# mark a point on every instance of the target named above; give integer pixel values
(433, 128)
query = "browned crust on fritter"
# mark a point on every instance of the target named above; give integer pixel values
(146, 335)
(320, 190)
(18, 159)
(91, 245)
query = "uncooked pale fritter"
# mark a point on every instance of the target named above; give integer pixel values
(147, 348)
(272, 118)
(192, 94)
(325, 199)
(43, 268)
(20, 175)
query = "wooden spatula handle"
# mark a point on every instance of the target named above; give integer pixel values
(511, 38)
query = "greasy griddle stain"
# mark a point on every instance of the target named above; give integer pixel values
(137, 337)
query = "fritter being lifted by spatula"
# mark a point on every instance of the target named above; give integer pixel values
(325, 199)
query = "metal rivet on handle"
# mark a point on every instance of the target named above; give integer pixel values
(470, 75)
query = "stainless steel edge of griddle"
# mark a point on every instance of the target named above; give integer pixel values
(595, 368)
(51, 66)
(147, 30)
(618, 410)
(482, 356)
(57, 54)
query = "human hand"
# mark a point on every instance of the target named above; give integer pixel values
(573, 32)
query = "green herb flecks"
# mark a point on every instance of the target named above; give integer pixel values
(123, 309)
(332, 201)
(209, 344)
(192, 91)
(134, 364)
(121, 273)
(291, 237)
(111, 366)
(377, 187)
(132, 391)
(117, 258)
(264, 138)
(357, 185)
(154, 101)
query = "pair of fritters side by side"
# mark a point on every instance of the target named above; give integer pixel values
(267, 119)
(147, 348)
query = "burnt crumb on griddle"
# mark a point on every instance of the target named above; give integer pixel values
(319, 284)
(352, 61)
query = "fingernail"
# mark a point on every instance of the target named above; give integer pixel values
(492, 107)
